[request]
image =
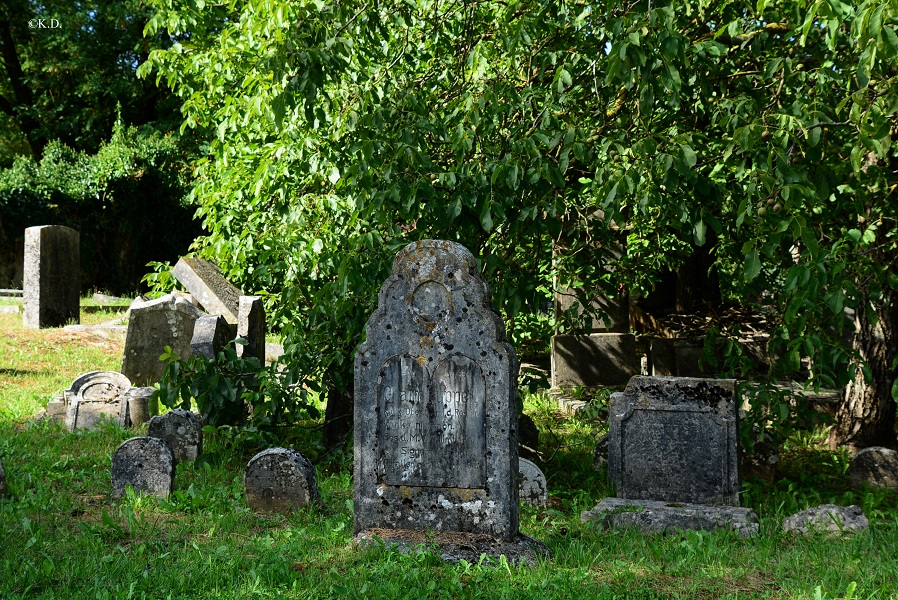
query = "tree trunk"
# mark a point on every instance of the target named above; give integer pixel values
(338, 415)
(866, 416)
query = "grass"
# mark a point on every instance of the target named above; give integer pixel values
(61, 537)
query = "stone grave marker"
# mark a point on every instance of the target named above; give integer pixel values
(145, 463)
(280, 480)
(828, 519)
(875, 466)
(532, 487)
(203, 279)
(436, 409)
(210, 335)
(673, 453)
(251, 326)
(181, 430)
(153, 325)
(93, 397)
(51, 277)
(137, 406)
(592, 360)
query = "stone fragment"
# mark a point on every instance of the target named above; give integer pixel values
(52, 277)
(280, 480)
(251, 327)
(654, 516)
(598, 359)
(204, 280)
(3, 491)
(181, 430)
(532, 487)
(137, 406)
(876, 467)
(827, 518)
(56, 409)
(145, 463)
(94, 397)
(674, 439)
(210, 335)
(10, 309)
(153, 325)
(435, 406)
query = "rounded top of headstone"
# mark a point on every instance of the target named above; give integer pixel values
(278, 453)
(442, 250)
(99, 386)
(146, 444)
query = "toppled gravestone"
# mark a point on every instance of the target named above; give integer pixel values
(436, 413)
(827, 518)
(673, 457)
(279, 479)
(51, 283)
(251, 327)
(181, 430)
(876, 467)
(210, 335)
(145, 463)
(204, 280)
(532, 487)
(94, 397)
(153, 325)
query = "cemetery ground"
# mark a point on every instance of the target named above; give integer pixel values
(61, 535)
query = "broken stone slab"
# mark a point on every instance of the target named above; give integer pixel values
(827, 518)
(654, 516)
(137, 406)
(280, 479)
(181, 430)
(251, 327)
(532, 487)
(876, 467)
(153, 325)
(145, 463)
(51, 277)
(210, 335)
(204, 280)
(598, 359)
(56, 409)
(3, 491)
(94, 397)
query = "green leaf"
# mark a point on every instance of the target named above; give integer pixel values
(688, 155)
(752, 265)
(486, 217)
(455, 208)
(855, 234)
(699, 231)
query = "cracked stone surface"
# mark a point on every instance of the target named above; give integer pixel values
(280, 479)
(182, 431)
(827, 518)
(653, 516)
(145, 463)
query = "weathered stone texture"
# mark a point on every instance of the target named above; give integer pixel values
(593, 360)
(532, 486)
(675, 440)
(52, 277)
(145, 463)
(181, 430)
(876, 466)
(94, 397)
(279, 479)
(137, 406)
(827, 518)
(251, 326)
(676, 357)
(153, 325)
(204, 281)
(436, 407)
(210, 335)
(654, 516)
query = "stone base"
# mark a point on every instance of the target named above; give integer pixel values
(455, 546)
(652, 516)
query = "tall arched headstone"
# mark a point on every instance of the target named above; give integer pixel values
(436, 403)
(51, 279)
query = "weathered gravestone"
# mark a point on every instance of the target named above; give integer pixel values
(876, 467)
(436, 411)
(593, 360)
(279, 479)
(828, 519)
(210, 335)
(251, 327)
(204, 281)
(52, 277)
(181, 430)
(673, 457)
(532, 487)
(145, 463)
(153, 325)
(94, 397)
(137, 406)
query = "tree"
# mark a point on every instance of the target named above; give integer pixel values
(754, 135)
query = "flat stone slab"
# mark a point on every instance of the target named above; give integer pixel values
(181, 430)
(597, 359)
(51, 277)
(653, 516)
(145, 463)
(876, 467)
(829, 519)
(280, 479)
(204, 280)
(454, 547)
(210, 335)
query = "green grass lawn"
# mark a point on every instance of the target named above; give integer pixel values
(61, 536)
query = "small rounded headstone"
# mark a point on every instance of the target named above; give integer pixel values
(827, 518)
(182, 430)
(877, 467)
(279, 479)
(532, 487)
(145, 463)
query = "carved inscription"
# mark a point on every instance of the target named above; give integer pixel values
(431, 430)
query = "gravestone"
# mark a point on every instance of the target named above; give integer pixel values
(52, 277)
(673, 454)
(137, 406)
(876, 467)
(145, 463)
(210, 335)
(251, 326)
(532, 487)
(204, 281)
(181, 430)
(436, 408)
(94, 397)
(279, 480)
(153, 325)
(3, 491)
(598, 359)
